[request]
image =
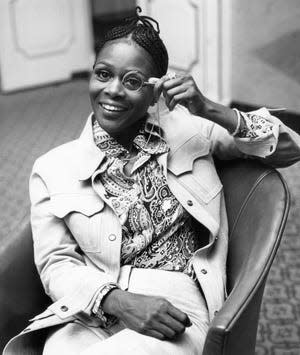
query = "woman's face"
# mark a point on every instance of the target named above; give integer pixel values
(117, 108)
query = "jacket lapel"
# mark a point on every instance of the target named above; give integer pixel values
(89, 155)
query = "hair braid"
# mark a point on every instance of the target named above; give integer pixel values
(140, 29)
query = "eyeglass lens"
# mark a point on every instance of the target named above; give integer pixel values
(133, 81)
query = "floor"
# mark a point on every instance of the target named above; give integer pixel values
(31, 123)
(34, 121)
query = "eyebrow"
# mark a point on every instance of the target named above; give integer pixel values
(127, 70)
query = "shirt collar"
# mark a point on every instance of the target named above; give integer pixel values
(90, 156)
(149, 140)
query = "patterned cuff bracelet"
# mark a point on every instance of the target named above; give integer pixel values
(97, 310)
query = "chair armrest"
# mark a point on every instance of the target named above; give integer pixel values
(253, 244)
(233, 330)
(21, 292)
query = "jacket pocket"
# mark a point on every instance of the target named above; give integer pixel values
(182, 160)
(82, 214)
(206, 190)
(194, 168)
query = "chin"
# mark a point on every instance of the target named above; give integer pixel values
(110, 127)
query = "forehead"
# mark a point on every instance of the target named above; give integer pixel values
(126, 55)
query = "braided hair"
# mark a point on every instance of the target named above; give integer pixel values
(141, 30)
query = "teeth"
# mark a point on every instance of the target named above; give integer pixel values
(112, 108)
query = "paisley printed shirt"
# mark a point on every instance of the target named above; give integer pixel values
(254, 126)
(157, 232)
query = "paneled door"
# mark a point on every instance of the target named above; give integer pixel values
(43, 41)
(197, 35)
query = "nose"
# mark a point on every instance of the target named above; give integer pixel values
(114, 88)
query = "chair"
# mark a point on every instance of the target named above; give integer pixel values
(257, 200)
(257, 204)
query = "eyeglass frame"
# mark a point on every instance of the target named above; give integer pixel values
(144, 82)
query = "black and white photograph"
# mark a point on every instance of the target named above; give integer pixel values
(149, 177)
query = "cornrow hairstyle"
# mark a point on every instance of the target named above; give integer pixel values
(141, 30)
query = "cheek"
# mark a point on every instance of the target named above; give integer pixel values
(94, 88)
(144, 101)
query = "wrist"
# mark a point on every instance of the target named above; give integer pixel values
(209, 109)
(220, 114)
(112, 302)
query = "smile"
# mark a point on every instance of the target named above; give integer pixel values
(112, 108)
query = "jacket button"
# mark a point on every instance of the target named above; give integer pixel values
(64, 308)
(112, 237)
(216, 312)
(204, 271)
(190, 202)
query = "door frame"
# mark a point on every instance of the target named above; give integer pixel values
(213, 25)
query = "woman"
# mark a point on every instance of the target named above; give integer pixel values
(129, 222)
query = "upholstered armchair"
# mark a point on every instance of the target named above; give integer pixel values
(257, 202)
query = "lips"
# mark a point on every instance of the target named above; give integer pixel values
(112, 108)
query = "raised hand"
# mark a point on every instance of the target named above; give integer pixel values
(181, 90)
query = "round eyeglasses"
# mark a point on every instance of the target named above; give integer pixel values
(132, 81)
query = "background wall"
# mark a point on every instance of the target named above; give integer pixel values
(266, 52)
(109, 7)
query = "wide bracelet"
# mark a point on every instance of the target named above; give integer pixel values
(97, 310)
(238, 126)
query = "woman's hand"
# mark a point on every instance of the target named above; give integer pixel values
(148, 315)
(181, 90)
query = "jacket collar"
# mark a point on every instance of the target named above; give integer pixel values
(90, 156)
(170, 123)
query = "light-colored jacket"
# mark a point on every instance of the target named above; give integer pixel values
(77, 237)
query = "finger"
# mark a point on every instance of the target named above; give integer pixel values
(171, 95)
(180, 98)
(179, 315)
(170, 83)
(167, 99)
(177, 90)
(173, 324)
(164, 329)
(155, 334)
(158, 86)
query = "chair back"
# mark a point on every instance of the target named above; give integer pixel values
(257, 201)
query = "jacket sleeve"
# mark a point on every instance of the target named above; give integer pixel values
(67, 279)
(278, 148)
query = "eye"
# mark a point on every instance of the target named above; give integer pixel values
(132, 82)
(103, 75)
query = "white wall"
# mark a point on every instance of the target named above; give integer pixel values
(266, 52)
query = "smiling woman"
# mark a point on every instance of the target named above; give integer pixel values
(119, 100)
(129, 221)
